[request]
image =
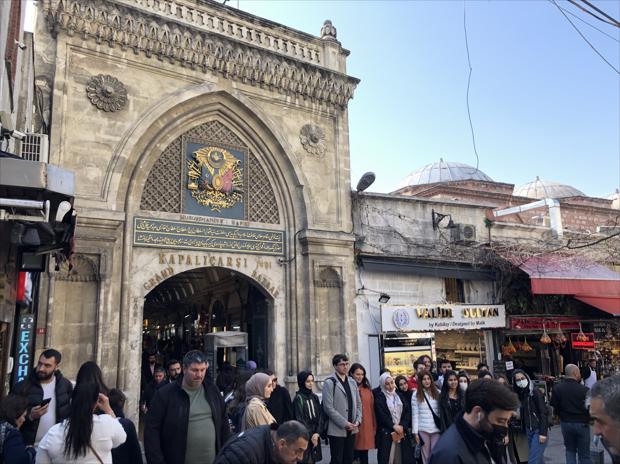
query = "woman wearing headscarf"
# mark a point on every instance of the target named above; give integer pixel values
(307, 410)
(402, 388)
(451, 400)
(532, 415)
(258, 390)
(390, 422)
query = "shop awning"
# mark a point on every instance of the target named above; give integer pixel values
(586, 280)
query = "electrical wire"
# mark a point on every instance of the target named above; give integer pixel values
(591, 25)
(614, 22)
(585, 10)
(584, 37)
(471, 126)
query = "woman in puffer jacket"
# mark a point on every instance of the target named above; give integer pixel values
(532, 416)
(425, 409)
(307, 410)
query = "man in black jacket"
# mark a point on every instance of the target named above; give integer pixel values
(45, 382)
(474, 437)
(284, 444)
(186, 421)
(569, 402)
(279, 403)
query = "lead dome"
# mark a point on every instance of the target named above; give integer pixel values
(539, 189)
(443, 171)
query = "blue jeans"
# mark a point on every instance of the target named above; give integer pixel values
(577, 442)
(536, 449)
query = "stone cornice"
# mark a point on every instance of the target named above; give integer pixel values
(200, 47)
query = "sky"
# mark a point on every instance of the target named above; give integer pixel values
(542, 102)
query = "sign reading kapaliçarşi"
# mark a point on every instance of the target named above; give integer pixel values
(437, 317)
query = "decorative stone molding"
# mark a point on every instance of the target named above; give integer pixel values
(106, 92)
(197, 47)
(312, 138)
(84, 270)
(328, 31)
(328, 278)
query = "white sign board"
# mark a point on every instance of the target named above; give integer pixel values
(416, 318)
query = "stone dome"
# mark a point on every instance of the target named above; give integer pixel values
(615, 199)
(546, 189)
(443, 171)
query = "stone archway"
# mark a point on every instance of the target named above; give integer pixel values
(274, 208)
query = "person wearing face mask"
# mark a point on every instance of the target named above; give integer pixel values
(605, 410)
(533, 416)
(463, 381)
(473, 437)
(451, 400)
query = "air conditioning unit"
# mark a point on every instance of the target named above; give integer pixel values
(35, 147)
(607, 229)
(463, 233)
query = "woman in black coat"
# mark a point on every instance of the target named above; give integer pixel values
(408, 447)
(307, 410)
(451, 400)
(389, 410)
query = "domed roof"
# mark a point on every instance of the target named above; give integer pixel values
(443, 171)
(546, 189)
(615, 199)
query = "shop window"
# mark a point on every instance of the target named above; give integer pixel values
(455, 292)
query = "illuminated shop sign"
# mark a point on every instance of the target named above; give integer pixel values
(414, 318)
(582, 341)
(24, 347)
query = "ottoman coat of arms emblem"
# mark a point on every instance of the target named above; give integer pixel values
(214, 178)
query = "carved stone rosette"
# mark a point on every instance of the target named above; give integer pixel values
(312, 138)
(106, 92)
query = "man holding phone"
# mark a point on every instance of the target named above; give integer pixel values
(48, 394)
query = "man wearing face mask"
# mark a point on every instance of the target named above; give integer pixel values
(476, 435)
(532, 415)
(605, 410)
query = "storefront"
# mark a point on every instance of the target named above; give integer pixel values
(460, 333)
(543, 345)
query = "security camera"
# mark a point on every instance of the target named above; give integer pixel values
(18, 135)
(21, 45)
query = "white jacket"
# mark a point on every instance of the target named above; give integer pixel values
(422, 416)
(107, 433)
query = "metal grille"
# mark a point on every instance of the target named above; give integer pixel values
(262, 201)
(34, 147)
(162, 191)
(163, 187)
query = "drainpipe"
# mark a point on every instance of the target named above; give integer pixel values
(555, 218)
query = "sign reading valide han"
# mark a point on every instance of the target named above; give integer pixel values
(425, 318)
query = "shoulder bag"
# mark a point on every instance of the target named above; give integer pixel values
(436, 418)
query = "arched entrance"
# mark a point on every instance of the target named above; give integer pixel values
(181, 310)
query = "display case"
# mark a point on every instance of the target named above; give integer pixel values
(465, 349)
(401, 350)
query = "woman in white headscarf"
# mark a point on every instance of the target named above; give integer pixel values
(390, 426)
(258, 390)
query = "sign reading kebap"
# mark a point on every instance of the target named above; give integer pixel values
(416, 318)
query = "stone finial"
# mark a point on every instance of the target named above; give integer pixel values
(328, 31)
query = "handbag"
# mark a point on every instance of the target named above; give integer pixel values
(316, 454)
(436, 418)
(96, 454)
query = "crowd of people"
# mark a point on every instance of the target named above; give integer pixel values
(246, 417)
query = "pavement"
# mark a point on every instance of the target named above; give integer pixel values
(554, 453)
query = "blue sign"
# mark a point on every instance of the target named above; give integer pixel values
(24, 347)
(160, 233)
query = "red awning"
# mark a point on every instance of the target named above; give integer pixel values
(587, 281)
